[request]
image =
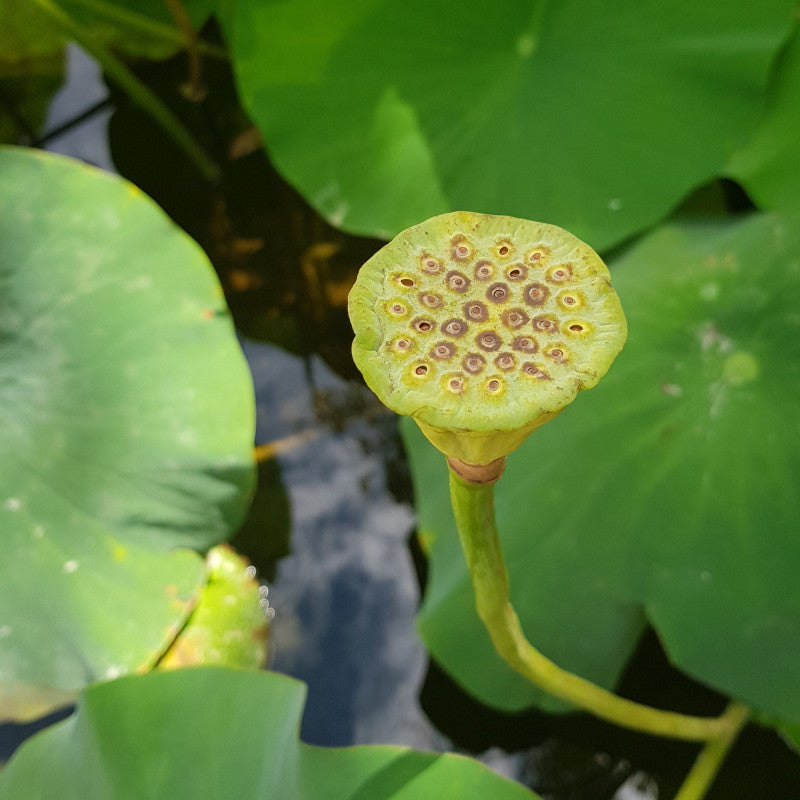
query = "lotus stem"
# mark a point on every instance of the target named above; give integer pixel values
(473, 505)
(136, 90)
(712, 756)
(158, 30)
(482, 328)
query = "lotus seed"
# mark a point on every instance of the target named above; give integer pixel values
(455, 384)
(488, 340)
(536, 294)
(460, 249)
(474, 363)
(559, 274)
(525, 344)
(545, 324)
(454, 327)
(457, 282)
(531, 369)
(514, 318)
(538, 253)
(430, 265)
(431, 299)
(443, 351)
(476, 311)
(505, 361)
(484, 270)
(498, 293)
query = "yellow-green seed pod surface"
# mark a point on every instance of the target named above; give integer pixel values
(483, 327)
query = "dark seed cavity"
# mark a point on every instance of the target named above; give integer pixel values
(473, 363)
(514, 318)
(493, 386)
(536, 294)
(476, 311)
(504, 248)
(516, 272)
(488, 340)
(498, 293)
(407, 282)
(579, 327)
(423, 325)
(421, 369)
(454, 327)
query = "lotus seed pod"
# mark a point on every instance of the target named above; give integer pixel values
(483, 327)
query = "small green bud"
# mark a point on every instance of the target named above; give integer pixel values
(483, 327)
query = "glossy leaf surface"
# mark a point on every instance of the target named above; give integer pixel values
(667, 493)
(593, 116)
(126, 427)
(159, 736)
(769, 164)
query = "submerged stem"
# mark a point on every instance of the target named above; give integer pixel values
(138, 92)
(710, 758)
(473, 505)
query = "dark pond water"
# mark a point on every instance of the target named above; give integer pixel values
(332, 530)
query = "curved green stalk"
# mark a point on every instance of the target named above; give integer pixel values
(473, 505)
(710, 759)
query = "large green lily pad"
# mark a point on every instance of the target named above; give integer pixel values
(126, 427)
(209, 732)
(769, 164)
(601, 116)
(668, 493)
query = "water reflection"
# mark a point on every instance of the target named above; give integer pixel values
(346, 596)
